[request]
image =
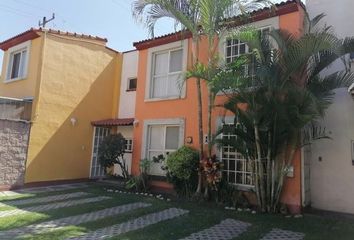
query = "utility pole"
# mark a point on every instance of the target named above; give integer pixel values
(45, 21)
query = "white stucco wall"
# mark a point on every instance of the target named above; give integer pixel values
(127, 98)
(331, 180)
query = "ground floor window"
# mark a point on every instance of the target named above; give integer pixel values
(128, 145)
(162, 140)
(237, 170)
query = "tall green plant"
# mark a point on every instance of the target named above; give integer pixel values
(286, 93)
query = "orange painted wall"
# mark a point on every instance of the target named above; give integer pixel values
(187, 108)
(294, 23)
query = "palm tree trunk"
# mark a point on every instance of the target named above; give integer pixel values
(195, 56)
(269, 171)
(200, 136)
(260, 167)
(210, 109)
(286, 164)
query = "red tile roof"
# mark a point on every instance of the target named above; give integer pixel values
(20, 38)
(282, 8)
(33, 33)
(114, 122)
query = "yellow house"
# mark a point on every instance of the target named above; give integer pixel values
(72, 80)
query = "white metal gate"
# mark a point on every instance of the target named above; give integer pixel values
(97, 171)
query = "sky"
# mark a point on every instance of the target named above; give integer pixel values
(111, 19)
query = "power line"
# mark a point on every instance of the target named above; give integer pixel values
(17, 11)
(120, 4)
(35, 6)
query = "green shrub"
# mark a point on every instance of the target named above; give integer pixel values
(111, 151)
(140, 182)
(183, 163)
(182, 167)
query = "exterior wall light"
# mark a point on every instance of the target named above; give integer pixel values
(136, 123)
(189, 140)
(73, 121)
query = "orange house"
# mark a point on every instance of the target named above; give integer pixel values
(166, 116)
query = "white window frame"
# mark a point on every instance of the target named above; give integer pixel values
(273, 23)
(240, 43)
(174, 122)
(229, 120)
(128, 84)
(149, 77)
(128, 145)
(11, 51)
(232, 46)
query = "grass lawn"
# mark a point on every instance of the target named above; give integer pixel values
(201, 216)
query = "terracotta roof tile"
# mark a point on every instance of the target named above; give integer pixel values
(114, 122)
(33, 33)
(257, 15)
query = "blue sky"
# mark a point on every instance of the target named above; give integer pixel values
(105, 18)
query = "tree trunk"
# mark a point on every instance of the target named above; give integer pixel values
(260, 167)
(269, 171)
(200, 119)
(210, 109)
(286, 164)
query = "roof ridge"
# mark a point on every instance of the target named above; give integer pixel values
(234, 18)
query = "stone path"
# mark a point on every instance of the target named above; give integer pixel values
(53, 198)
(73, 220)
(53, 188)
(132, 225)
(279, 234)
(226, 230)
(43, 208)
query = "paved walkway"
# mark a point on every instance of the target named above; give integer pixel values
(279, 234)
(134, 224)
(43, 208)
(53, 188)
(73, 220)
(226, 230)
(47, 199)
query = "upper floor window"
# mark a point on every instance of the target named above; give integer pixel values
(132, 83)
(166, 73)
(17, 63)
(236, 48)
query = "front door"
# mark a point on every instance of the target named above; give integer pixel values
(97, 171)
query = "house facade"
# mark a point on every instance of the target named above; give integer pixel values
(166, 107)
(124, 120)
(71, 91)
(70, 80)
(329, 163)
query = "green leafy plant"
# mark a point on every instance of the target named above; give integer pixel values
(111, 151)
(182, 170)
(140, 182)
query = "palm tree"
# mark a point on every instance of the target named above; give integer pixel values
(200, 18)
(286, 93)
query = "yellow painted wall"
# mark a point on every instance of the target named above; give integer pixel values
(26, 87)
(78, 80)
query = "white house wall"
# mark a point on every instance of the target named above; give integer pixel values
(331, 168)
(127, 98)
